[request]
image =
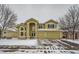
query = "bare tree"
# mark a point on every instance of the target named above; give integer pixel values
(70, 21)
(7, 17)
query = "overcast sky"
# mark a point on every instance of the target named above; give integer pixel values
(41, 12)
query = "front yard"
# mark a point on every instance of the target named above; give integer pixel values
(37, 46)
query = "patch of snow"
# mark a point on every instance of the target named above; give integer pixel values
(26, 42)
(47, 30)
(12, 29)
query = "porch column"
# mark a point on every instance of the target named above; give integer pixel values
(36, 29)
(28, 37)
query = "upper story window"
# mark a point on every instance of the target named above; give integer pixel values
(51, 26)
(33, 27)
(41, 26)
(21, 28)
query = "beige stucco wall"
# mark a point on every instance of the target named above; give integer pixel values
(10, 34)
(54, 34)
(49, 34)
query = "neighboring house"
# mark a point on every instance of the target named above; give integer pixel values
(9, 33)
(32, 29)
(68, 35)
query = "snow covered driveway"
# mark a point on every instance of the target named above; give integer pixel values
(73, 41)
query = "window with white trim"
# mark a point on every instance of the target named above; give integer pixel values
(21, 33)
(33, 34)
(51, 26)
(21, 28)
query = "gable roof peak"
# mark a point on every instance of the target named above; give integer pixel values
(51, 20)
(31, 19)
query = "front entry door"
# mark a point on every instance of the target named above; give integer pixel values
(32, 35)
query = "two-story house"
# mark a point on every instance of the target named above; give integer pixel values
(32, 29)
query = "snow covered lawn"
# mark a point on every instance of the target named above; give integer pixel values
(26, 42)
(38, 48)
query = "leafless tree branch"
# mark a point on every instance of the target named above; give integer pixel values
(70, 21)
(7, 17)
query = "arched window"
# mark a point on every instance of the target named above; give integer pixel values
(21, 28)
